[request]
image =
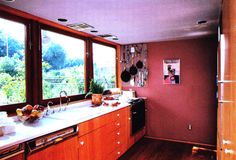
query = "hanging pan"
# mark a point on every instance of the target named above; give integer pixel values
(125, 75)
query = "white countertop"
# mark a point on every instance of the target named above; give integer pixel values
(75, 114)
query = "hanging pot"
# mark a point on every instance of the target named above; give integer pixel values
(125, 76)
(139, 64)
(133, 70)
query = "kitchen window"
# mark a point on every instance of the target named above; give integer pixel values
(62, 64)
(13, 37)
(104, 65)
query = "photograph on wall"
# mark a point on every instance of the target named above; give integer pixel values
(171, 71)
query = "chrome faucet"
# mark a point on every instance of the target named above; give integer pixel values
(48, 108)
(67, 101)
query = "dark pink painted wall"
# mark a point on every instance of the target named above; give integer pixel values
(172, 107)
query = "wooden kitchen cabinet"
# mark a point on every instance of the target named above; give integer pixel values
(106, 137)
(65, 150)
(91, 145)
(226, 113)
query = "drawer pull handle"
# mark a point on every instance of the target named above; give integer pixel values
(118, 133)
(118, 124)
(82, 143)
(118, 142)
(118, 115)
(229, 151)
(118, 153)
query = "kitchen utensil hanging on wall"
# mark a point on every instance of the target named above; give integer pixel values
(125, 75)
(145, 70)
(133, 70)
(139, 50)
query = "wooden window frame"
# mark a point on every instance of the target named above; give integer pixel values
(39, 62)
(33, 55)
(28, 62)
(116, 58)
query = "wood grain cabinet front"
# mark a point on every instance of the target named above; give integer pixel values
(91, 145)
(106, 137)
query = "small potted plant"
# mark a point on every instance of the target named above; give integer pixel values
(96, 90)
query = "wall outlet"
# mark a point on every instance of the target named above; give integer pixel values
(190, 127)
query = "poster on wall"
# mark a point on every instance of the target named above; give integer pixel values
(171, 71)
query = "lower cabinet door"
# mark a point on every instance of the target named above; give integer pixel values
(66, 150)
(91, 145)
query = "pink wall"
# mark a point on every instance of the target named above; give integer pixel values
(172, 107)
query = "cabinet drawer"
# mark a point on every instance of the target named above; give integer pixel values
(116, 153)
(116, 139)
(120, 123)
(92, 124)
(119, 114)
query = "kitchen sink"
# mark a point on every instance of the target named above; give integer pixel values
(75, 114)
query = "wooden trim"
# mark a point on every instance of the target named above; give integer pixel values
(104, 43)
(35, 33)
(28, 63)
(60, 31)
(118, 68)
(181, 141)
(117, 59)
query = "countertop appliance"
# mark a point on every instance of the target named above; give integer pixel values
(52, 145)
(137, 114)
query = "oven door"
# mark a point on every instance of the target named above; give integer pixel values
(138, 115)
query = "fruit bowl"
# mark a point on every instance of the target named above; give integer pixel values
(30, 114)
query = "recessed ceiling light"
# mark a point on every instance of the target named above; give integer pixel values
(94, 31)
(62, 20)
(201, 22)
(9, 0)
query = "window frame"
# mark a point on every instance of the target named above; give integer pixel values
(33, 59)
(39, 62)
(116, 58)
(28, 61)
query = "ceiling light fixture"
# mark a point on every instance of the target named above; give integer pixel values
(94, 31)
(115, 38)
(202, 22)
(80, 26)
(62, 20)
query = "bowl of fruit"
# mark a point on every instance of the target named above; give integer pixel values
(30, 113)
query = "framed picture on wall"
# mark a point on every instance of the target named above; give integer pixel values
(171, 71)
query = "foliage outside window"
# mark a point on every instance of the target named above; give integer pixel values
(104, 65)
(62, 64)
(12, 62)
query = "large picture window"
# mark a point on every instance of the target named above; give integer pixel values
(12, 62)
(104, 65)
(62, 64)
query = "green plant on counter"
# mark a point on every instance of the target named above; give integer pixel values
(94, 88)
